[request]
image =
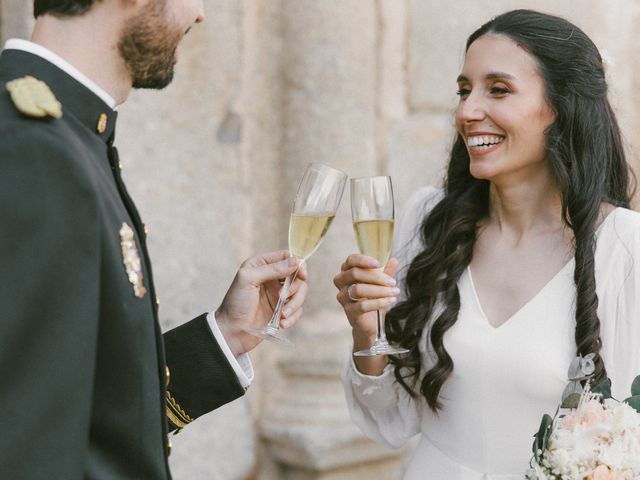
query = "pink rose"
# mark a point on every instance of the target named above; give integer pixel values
(591, 413)
(603, 472)
(569, 422)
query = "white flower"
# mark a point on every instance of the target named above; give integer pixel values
(607, 60)
(595, 439)
(613, 456)
(537, 473)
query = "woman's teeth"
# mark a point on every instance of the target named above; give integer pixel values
(482, 142)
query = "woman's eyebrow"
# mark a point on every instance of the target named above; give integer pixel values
(488, 76)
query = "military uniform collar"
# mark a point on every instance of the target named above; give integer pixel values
(62, 64)
(75, 97)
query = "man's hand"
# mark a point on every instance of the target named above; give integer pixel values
(253, 295)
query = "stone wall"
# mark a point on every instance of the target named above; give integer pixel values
(262, 88)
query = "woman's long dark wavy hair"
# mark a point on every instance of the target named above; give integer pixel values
(587, 159)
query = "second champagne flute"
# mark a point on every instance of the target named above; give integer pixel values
(373, 216)
(314, 208)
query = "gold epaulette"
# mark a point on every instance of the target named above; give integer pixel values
(177, 415)
(34, 98)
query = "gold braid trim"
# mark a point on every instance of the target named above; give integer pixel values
(177, 415)
(173, 419)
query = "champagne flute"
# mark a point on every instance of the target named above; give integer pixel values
(314, 208)
(372, 212)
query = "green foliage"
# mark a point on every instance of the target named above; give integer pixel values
(581, 367)
(635, 386)
(603, 388)
(542, 437)
(633, 402)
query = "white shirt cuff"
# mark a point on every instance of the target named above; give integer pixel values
(240, 364)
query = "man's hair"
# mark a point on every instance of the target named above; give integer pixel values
(61, 7)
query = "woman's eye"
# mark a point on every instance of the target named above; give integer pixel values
(499, 90)
(463, 92)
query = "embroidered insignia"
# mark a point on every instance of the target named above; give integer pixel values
(131, 260)
(34, 98)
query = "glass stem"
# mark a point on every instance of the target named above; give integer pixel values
(381, 337)
(274, 323)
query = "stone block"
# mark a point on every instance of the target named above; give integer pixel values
(194, 191)
(417, 152)
(392, 58)
(437, 34)
(16, 19)
(216, 447)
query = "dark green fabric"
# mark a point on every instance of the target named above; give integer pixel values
(82, 370)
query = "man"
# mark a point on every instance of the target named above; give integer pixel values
(87, 381)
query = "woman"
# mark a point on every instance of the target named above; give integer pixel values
(527, 257)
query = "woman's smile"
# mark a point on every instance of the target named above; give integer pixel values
(482, 143)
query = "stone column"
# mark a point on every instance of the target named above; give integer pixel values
(614, 28)
(16, 19)
(330, 69)
(633, 52)
(183, 155)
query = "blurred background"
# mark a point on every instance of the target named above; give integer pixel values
(264, 87)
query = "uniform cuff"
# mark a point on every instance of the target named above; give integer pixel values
(241, 364)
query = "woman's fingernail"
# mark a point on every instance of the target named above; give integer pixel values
(395, 291)
(286, 312)
(392, 282)
(374, 263)
(293, 261)
(393, 300)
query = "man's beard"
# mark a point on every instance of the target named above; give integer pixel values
(148, 46)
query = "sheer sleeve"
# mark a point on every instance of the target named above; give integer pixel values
(618, 285)
(379, 406)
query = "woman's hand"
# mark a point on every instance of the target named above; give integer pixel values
(363, 289)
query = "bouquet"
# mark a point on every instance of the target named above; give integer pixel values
(592, 436)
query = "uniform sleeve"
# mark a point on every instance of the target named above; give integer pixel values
(201, 378)
(379, 406)
(619, 311)
(49, 300)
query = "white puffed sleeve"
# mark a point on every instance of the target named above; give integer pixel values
(379, 406)
(618, 287)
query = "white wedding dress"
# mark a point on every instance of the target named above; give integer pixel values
(504, 378)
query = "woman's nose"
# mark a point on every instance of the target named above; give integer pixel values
(470, 109)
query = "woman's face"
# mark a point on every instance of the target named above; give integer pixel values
(503, 114)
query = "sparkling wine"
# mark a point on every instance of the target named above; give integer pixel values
(306, 232)
(374, 238)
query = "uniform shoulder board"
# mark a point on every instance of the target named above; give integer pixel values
(34, 98)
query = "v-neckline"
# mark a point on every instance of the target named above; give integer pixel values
(537, 294)
(524, 305)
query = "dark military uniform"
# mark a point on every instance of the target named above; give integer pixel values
(83, 365)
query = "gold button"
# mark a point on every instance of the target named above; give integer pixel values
(146, 230)
(168, 374)
(120, 165)
(102, 124)
(157, 302)
(169, 447)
